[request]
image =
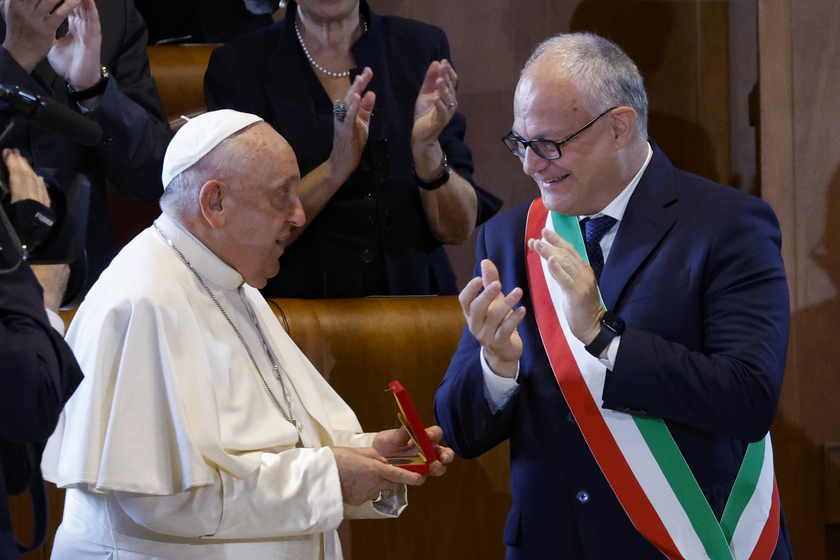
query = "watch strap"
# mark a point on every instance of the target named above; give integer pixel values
(611, 327)
(96, 89)
(438, 181)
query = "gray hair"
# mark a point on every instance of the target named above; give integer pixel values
(181, 196)
(602, 72)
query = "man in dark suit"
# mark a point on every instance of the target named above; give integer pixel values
(99, 68)
(629, 417)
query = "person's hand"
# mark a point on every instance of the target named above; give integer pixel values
(365, 475)
(31, 26)
(23, 181)
(350, 134)
(398, 443)
(582, 303)
(76, 56)
(53, 279)
(435, 105)
(492, 319)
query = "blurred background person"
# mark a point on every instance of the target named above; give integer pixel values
(369, 105)
(37, 369)
(205, 21)
(99, 68)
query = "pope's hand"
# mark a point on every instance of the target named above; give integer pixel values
(398, 443)
(365, 475)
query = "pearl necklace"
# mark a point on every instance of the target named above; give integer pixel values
(312, 60)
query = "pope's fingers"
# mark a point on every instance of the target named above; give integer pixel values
(435, 433)
(401, 476)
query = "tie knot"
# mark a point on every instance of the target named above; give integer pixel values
(595, 228)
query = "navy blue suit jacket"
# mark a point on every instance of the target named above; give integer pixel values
(696, 273)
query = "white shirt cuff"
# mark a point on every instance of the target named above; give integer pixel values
(497, 389)
(612, 352)
(55, 321)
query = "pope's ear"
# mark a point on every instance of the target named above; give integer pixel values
(623, 125)
(211, 201)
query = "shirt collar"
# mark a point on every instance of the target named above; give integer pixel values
(210, 267)
(618, 205)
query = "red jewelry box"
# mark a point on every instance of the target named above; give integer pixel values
(411, 420)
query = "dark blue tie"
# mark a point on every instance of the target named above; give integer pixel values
(593, 230)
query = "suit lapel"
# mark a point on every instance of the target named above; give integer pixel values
(650, 214)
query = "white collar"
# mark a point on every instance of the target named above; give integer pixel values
(201, 259)
(618, 206)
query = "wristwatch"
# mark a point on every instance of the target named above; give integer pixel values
(611, 327)
(96, 89)
(438, 181)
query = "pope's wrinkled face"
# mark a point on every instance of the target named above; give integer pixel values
(263, 206)
(548, 106)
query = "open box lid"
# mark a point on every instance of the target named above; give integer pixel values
(411, 420)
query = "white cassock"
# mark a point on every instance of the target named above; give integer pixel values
(172, 446)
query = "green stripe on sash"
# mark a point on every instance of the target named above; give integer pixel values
(745, 485)
(714, 536)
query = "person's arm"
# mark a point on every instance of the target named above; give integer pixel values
(349, 138)
(729, 385)
(295, 492)
(471, 423)
(129, 110)
(451, 208)
(732, 385)
(37, 369)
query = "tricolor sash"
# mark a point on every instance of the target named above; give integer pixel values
(638, 456)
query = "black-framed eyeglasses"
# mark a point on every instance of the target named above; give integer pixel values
(546, 149)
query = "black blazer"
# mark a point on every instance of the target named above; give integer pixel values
(37, 373)
(130, 114)
(375, 220)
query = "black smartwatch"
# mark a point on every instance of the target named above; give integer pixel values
(438, 181)
(96, 89)
(611, 327)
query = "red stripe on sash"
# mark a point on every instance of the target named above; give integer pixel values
(766, 544)
(586, 411)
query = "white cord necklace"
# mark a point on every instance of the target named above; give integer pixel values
(277, 374)
(312, 60)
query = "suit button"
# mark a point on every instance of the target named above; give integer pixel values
(570, 418)
(368, 256)
(582, 496)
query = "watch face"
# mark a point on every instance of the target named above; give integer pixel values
(613, 322)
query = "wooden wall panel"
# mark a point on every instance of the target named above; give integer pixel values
(800, 175)
(680, 46)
